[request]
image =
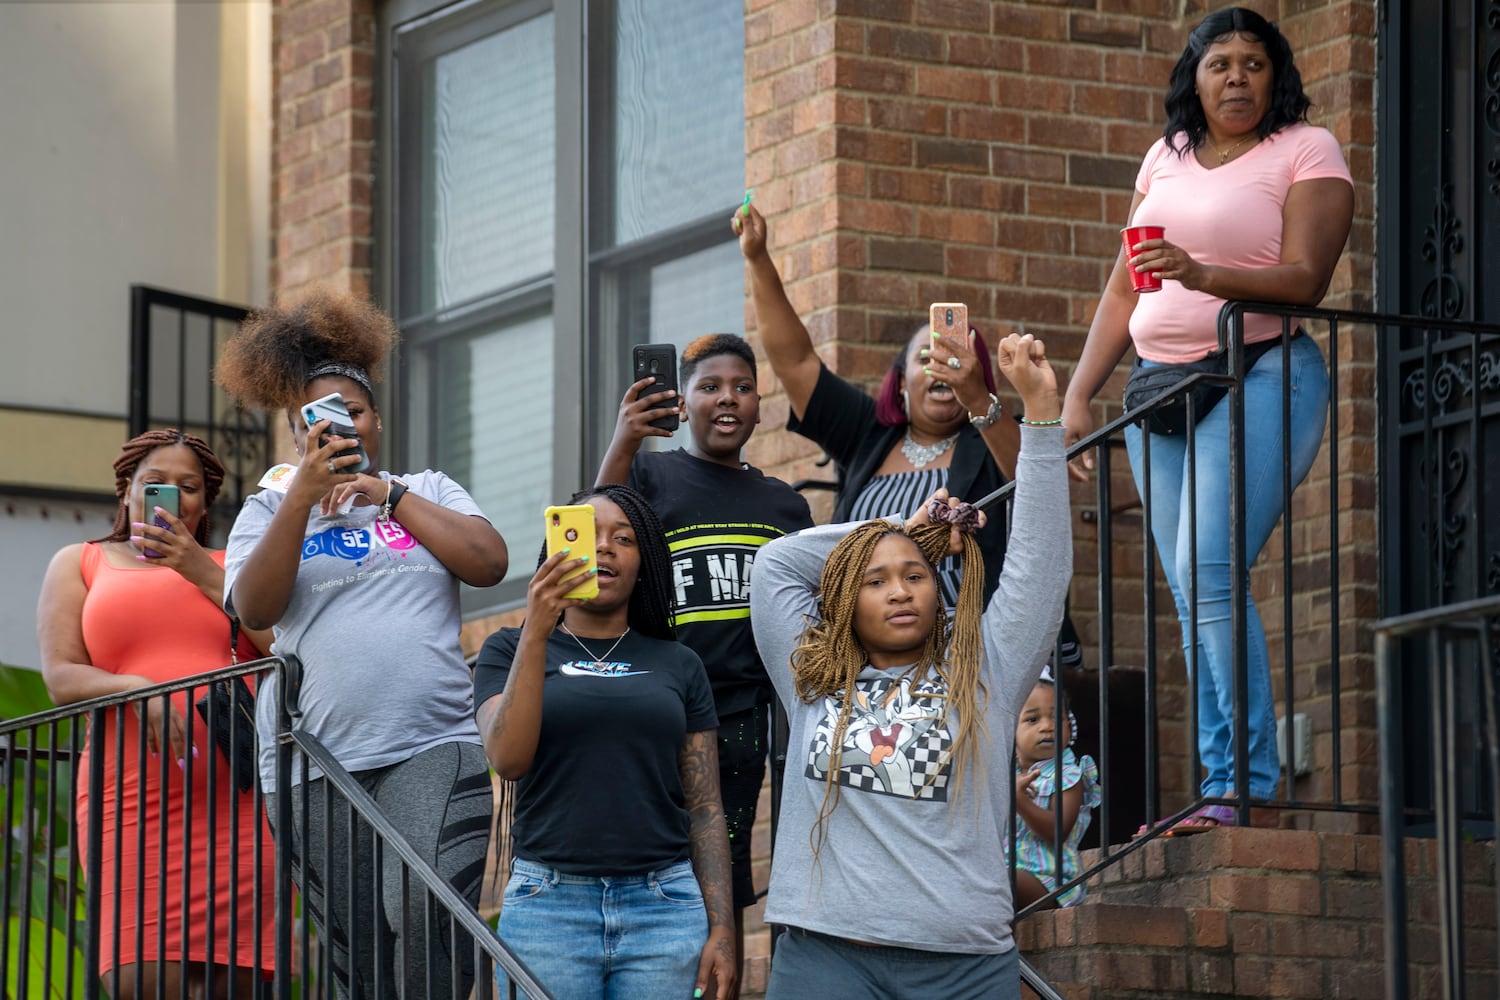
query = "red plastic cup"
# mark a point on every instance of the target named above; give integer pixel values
(1142, 281)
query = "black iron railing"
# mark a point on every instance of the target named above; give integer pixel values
(1458, 660)
(1130, 662)
(77, 863)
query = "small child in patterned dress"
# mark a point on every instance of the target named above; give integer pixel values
(1036, 783)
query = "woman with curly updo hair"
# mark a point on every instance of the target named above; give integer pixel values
(138, 607)
(357, 573)
(887, 871)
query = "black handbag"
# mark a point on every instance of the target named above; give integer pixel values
(1171, 418)
(233, 726)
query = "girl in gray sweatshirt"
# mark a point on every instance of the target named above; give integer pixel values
(888, 870)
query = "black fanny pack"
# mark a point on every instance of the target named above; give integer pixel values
(1145, 384)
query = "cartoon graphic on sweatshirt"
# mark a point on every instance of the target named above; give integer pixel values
(896, 742)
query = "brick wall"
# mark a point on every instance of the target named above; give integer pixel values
(323, 143)
(909, 151)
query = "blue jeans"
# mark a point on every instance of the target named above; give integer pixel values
(585, 937)
(1170, 492)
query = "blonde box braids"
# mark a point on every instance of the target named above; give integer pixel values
(829, 655)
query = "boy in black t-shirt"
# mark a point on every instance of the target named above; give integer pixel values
(717, 511)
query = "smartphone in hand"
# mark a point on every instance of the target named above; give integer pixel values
(949, 319)
(571, 527)
(658, 361)
(331, 408)
(168, 499)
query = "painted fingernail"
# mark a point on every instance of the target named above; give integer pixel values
(593, 569)
(155, 755)
(566, 551)
(181, 764)
(137, 525)
(136, 538)
(584, 558)
(697, 993)
(924, 352)
(926, 371)
(195, 753)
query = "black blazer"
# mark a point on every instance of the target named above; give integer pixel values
(840, 418)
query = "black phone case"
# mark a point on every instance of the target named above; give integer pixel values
(658, 361)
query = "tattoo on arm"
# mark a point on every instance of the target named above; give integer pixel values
(699, 764)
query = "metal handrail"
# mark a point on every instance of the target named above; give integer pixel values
(464, 914)
(1472, 620)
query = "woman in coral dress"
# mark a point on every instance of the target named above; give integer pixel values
(140, 607)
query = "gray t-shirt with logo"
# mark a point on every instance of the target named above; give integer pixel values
(908, 860)
(374, 618)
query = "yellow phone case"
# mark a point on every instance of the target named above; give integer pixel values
(571, 527)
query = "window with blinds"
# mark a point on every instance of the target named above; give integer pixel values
(530, 244)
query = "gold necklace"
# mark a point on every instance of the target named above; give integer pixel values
(1225, 154)
(597, 660)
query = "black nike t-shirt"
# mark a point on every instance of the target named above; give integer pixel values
(604, 792)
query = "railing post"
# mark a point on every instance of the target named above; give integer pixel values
(283, 836)
(95, 837)
(1239, 623)
(1392, 795)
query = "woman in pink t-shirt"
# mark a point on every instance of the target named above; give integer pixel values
(1256, 205)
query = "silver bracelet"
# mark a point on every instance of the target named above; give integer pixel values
(983, 422)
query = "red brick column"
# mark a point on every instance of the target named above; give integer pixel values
(909, 151)
(323, 143)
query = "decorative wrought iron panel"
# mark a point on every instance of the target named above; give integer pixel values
(1439, 257)
(174, 342)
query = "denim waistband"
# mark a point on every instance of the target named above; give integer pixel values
(547, 873)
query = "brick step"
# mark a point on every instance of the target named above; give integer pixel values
(1252, 913)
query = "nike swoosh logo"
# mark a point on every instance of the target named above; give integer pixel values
(603, 670)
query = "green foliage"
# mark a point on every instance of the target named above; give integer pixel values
(39, 790)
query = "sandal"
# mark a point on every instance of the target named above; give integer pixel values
(1207, 818)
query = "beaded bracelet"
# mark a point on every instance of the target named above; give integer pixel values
(1042, 423)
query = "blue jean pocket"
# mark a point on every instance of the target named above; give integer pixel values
(678, 885)
(525, 885)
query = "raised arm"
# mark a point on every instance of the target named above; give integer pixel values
(698, 763)
(1020, 625)
(510, 723)
(632, 426)
(788, 345)
(784, 594)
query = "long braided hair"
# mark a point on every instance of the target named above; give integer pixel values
(829, 654)
(134, 452)
(651, 602)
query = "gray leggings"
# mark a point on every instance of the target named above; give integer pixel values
(440, 801)
(808, 966)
